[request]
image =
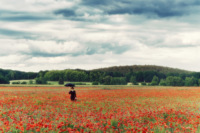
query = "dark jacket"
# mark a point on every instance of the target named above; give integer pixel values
(73, 95)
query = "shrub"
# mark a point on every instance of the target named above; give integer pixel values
(80, 83)
(133, 80)
(61, 81)
(155, 80)
(31, 82)
(95, 83)
(16, 82)
(191, 81)
(118, 81)
(143, 83)
(40, 80)
(174, 81)
(162, 82)
(24, 82)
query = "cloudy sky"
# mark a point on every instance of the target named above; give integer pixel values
(61, 34)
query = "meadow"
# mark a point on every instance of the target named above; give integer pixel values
(105, 109)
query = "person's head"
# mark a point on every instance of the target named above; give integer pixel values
(72, 88)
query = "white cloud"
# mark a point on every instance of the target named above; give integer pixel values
(48, 60)
(53, 47)
(36, 5)
(92, 38)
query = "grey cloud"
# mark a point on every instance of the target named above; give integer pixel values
(95, 48)
(37, 52)
(96, 2)
(65, 12)
(17, 34)
(74, 15)
(150, 8)
(150, 11)
(24, 18)
(43, 54)
(70, 14)
(117, 49)
(104, 48)
(15, 16)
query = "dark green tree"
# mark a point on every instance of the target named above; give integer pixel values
(118, 81)
(155, 80)
(133, 80)
(148, 76)
(4, 80)
(191, 81)
(174, 81)
(107, 80)
(61, 81)
(140, 77)
(162, 82)
(41, 80)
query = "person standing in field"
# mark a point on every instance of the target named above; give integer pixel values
(72, 92)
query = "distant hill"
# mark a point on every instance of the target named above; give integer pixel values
(137, 68)
(15, 75)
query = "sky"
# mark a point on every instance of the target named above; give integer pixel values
(88, 34)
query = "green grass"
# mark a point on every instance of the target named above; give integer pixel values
(76, 83)
(23, 80)
(52, 82)
(49, 83)
(55, 83)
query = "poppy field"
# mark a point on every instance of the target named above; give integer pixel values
(100, 110)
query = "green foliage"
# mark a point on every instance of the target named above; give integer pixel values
(68, 75)
(140, 77)
(174, 81)
(114, 123)
(191, 81)
(16, 82)
(118, 81)
(143, 83)
(79, 83)
(17, 75)
(107, 80)
(133, 80)
(95, 83)
(148, 75)
(41, 80)
(162, 82)
(142, 68)
(199, 82)
(4, 80)
(155, 81)
(30, 81)
(61, 81)
(108, 76)
(75, 75)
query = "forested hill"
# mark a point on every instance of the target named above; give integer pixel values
(117, 75)
(6, 75)
(138, 68)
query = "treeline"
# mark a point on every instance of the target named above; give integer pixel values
(142, 68)
(118, 78)
(145, 75)
(7, 75)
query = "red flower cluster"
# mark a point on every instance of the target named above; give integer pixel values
(128, 109)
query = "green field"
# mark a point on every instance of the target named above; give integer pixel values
(53, 83)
